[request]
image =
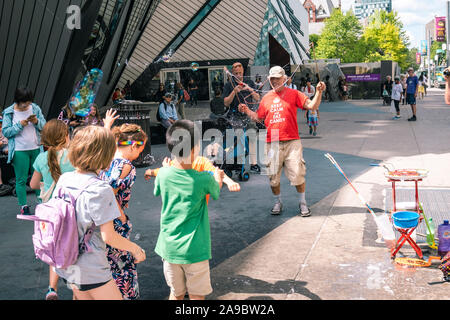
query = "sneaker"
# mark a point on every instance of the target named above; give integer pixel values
(51, 294)
(315, 134)
(277, 208)
(305, 214)
(255, 168)
(413, 118)
(25, 211)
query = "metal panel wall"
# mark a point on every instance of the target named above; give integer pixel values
(169, 18)
(231, 31)
(33, 43)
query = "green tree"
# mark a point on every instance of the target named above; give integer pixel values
(435, 46)
(341, 38)
(411, 59)
(385, 38)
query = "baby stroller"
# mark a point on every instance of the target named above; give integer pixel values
(229, 162)
(386, 98)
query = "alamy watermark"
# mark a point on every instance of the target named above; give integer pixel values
(74, 17)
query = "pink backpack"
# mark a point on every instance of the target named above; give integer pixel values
(55, 237)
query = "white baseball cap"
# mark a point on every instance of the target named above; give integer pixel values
(277, 72)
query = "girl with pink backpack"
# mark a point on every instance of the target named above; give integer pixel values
(92, 150)
(48, 167)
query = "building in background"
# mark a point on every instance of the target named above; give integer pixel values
(318, 11)
(144, 42)
(430, 30)
(365, 8)
(213, 35)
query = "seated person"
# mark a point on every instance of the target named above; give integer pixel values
(217, 105)
(167, 111)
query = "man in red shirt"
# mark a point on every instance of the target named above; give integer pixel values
(278, 109)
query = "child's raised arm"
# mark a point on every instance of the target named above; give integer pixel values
(115, 240)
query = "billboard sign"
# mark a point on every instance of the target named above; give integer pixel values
(440, 29)
(363, 77)
(423, 47)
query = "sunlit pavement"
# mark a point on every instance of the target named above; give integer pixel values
(334, 254)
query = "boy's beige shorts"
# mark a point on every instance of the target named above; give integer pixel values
(287, 154)
(192, 278)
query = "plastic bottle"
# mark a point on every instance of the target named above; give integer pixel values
(444, 238)
(431, 232)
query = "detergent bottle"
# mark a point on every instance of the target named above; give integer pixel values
(444, 238)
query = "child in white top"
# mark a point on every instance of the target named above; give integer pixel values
(397, 92)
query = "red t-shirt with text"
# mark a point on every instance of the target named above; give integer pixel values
(279, 111)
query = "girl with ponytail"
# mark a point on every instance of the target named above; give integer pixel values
(48, 167)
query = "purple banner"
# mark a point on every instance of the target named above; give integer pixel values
(363, 77)
(440, 29)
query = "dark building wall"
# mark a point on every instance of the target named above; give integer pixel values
(34, 40)
(39, 51)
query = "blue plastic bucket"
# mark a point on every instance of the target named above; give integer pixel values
(405, 219)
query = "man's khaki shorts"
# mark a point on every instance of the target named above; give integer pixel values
(287, 154)
(192, 278)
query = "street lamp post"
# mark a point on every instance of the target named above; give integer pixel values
(429, 58)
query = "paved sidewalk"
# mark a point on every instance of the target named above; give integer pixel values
(334, 254)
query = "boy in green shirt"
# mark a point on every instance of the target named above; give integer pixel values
(184, 242)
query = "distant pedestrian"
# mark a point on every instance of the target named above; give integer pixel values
(421, 89)
(313, 121)
(424, 82)
(193, 92)
(387, 90)
(127, 90)
(181, 102)
(159, 95)
(310, 92)
(22, 125)
(290, 84)
(397, 90)
(404, 85)
(217, 105)
(411, 92)
(343, 88)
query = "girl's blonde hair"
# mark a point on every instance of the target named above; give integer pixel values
(92, 149)
(54, 138)
(129, 132)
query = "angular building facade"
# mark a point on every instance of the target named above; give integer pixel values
(49, 45)
(214, 34)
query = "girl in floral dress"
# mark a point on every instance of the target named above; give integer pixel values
(121, 175)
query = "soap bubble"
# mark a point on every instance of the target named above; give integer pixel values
(194, 66)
